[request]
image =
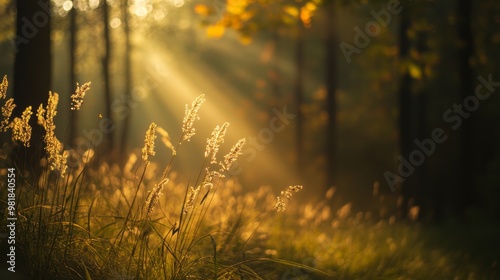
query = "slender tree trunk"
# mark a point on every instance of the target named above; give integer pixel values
(106, 64)
(331, 102)
(405, 106)
(465, 53)
(73, 116)
(32, 71)
(128, 80)
(275, 75)
(299, 85)
(422, 195)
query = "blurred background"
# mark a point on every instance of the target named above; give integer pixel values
(398, 98)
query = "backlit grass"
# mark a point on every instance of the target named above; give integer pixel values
(83, 217)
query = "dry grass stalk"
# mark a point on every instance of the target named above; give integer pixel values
(165, 139)
(3, 87)
(77, 97)
(214, 142)
(7, 110)
(233, 155)
(21, 129)
(53, 147)
(154, 196)
(190, 116)
(280, 204)
(190, 198)
(149, 143)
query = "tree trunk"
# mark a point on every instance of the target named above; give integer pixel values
(331, 102)
(73, 116)
(422, 195)
(465, 53)
(299, 85)
(275, 75)
(106, 64)
(405, 106)
(32, 71)
(128, 81)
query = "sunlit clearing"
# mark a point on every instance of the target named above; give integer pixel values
(173, 79)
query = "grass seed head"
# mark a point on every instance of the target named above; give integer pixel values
(214, 142)
(154, 197)
(21, 129)
(77, 97)
(232, 156)
(7, 110)
(3, 87)
(209, 177)
(190, 115)
(149, 143)
(280, 204)
(54, 148)
(191, 198)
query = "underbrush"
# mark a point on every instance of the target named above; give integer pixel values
(80, 216)
(351, 245)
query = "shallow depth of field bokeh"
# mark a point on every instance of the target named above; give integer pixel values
(238, 139)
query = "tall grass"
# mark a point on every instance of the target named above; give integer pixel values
(101, 220)
(83, 217)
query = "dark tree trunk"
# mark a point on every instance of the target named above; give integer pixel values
(331, 102)
(106, 64)
(73, 116)
(405, 106)
(422, 130)
(465, 53)
(422, 171)
(299, 85)
(32, 71)
(275, 75)
(128, 80)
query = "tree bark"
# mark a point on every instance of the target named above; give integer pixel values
(465, 53)
(422, 195)
(405, 106)
(128, 81)
(275, 75)
(32, 71)
(106, 64)
(331, 102)
(73, 116)
(299, 88)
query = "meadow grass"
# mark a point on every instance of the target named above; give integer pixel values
(95, 219)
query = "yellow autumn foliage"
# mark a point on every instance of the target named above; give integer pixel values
(236, 7)
(202, 10)
(215, 31)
